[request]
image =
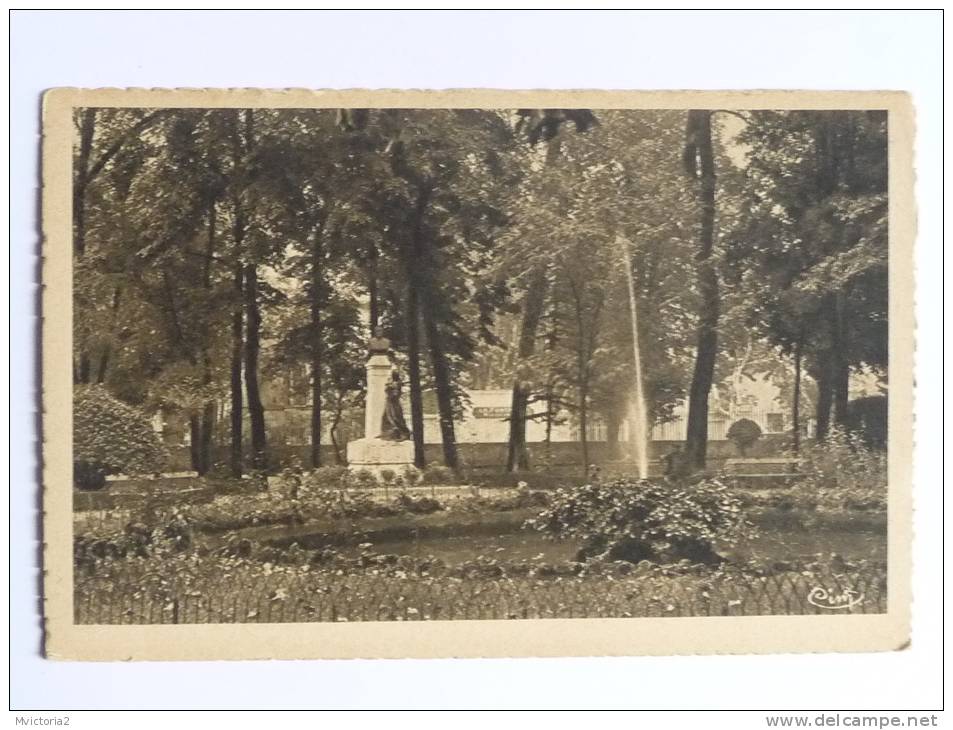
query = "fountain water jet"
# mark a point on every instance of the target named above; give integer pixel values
(638, 415)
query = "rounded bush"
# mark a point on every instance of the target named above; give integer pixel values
(643, 520)
(326, 477)
(438, 475)
(111, 437)
(363, 478)
(743, 433)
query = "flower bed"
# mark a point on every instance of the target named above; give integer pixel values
(322, 507)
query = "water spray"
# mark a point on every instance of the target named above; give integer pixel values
(639, 416)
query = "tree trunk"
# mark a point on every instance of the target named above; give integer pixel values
(103, 366)
(841, 388)
(696, 440)
(333, 430)
(517, 457)
(86, 133)
(373, 294)
(840, 365)
(106, 357)
(412, 317)
(256, 411)
(208, 430)
(444, 388)
(584, 428)
(316, 409)
(84, 367)
(825, 396)
(317, 348)
(550, 418)
(238, 348)
(413, 261)
(442, 381)
(613, 426)
(207, 423)
(796, 402)
(586, 338)
(81, 373)
(195, 442)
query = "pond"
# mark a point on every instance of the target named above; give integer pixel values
(775, 542)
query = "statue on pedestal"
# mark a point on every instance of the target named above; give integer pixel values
(378, 344)
(386, 445)
(393, 425)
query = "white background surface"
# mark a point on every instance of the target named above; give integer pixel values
(503, 49)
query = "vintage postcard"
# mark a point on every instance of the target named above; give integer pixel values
(334, 374)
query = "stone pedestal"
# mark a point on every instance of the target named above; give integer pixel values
(378, 373)
(376, 455)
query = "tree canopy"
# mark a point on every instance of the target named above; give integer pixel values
(215, 249)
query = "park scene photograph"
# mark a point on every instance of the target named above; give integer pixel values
(401, 364)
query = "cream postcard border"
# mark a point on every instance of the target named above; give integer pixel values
(465, 638)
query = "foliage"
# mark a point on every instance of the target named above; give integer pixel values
(522, 499)
(235, 512)
(808, 254)
(840, 476)
(417, 504)
(361, 478)
(172, 534)
(844, 473)
(110, 437)
(438, 475)
(325, 477)
(198, 232)
(651, 520)
(600, 203)
(867, 417)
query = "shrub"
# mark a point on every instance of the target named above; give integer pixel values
(743, 433)
(438, 475)
(642, 520)
(411, 475)
(110, 437)
(291, 481)
(325, 477)
(867, 417)
(506, 502)
(387, 476)
(844, 473)
(237, 511)
(234, 512)
(355, 504)
(362, 478)
(417, 505)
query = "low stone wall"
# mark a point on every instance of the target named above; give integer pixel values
(488, 456)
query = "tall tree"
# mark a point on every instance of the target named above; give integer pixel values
(452, 164)
(817, 234)
(603, 204)
(699, 160)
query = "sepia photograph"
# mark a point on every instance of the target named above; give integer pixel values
(500, 363)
